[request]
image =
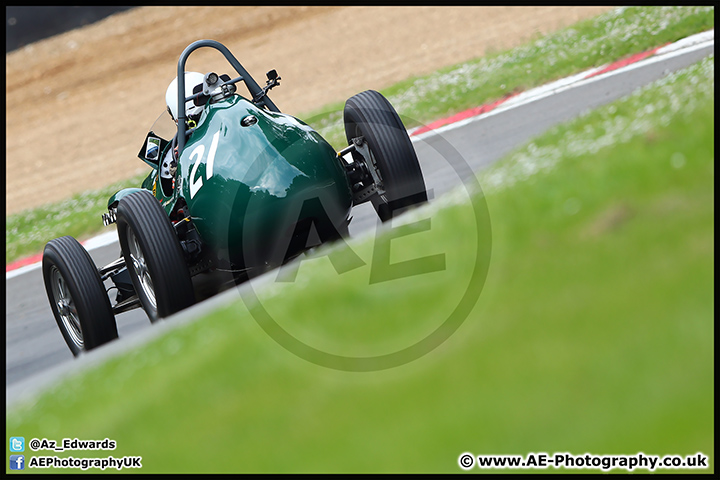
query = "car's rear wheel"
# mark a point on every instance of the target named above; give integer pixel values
(77, 295)
(153, 256)
(369, 115)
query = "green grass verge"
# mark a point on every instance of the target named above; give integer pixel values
(589, 43)
(593, 334)
(27, 232)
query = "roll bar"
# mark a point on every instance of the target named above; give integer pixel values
(252, 85)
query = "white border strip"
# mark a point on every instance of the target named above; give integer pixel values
(102, 240)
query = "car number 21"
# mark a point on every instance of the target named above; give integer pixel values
(196, 183)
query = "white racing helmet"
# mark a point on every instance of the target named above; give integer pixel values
(171, 95)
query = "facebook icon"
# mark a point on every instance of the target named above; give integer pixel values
(17, 462)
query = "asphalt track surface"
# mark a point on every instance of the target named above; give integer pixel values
(36, 354)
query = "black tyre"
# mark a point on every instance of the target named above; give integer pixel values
(153, 256)
(371, 116)
(77, 295)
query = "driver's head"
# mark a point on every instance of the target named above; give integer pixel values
(171, 96)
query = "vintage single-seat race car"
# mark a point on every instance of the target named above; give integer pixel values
(239, 190)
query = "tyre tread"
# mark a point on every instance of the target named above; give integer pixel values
(86, 289)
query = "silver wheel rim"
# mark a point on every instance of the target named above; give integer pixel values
(137, 260)
(66, 307)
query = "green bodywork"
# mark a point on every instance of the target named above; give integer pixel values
(246, 187)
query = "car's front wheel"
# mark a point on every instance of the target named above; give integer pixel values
(77, 296)
(153, 256)
(383, 144)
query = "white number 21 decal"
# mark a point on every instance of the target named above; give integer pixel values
(196, 183)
